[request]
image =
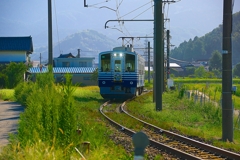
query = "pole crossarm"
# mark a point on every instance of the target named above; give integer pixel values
(118, 20)
(127, 20)
(85, 3)
(135, 37)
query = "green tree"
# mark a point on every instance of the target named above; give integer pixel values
(13, 74)
(215, 62)
(189, 71)
(236, 70)
(200, 72)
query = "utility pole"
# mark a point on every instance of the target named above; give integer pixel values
(168, 50)
(50, 47)
(227, 107)
(162, 57)
(158, 44)
(40, 58)
(148, 62)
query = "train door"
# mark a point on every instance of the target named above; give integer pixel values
(117, 65)
(117, 62)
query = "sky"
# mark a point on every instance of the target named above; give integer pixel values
(187, 18)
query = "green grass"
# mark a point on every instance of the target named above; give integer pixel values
(184, 115)
(213, 90)
(93, 130)
(7, 95)
(177, 114)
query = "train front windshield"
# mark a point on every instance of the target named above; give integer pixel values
(105, 62)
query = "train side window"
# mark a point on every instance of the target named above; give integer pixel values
(130, 63)
(105, 62)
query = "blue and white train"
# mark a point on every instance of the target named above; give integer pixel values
(120, 73)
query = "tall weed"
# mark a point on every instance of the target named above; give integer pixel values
(50, 115)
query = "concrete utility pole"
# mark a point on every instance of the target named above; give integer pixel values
(40, 58)
(227, 107)
(158, 52)
(50, 48)
(148, 62)
(168, 50)
(162, 57)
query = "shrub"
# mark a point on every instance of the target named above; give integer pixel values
(50, 115)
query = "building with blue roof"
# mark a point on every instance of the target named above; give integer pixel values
(81, 68)
(15, 49)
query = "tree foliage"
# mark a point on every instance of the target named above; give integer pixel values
(203, 47)
(12, 74)
(200, 72)
(236, 70)
(215, 62)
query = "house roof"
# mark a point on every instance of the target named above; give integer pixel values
(69, 55)
(16, 44)
(64, 69)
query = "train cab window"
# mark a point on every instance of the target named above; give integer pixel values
(117, 66)
(130, 63)
(105, 62)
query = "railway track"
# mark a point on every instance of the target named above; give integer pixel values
(172, 143)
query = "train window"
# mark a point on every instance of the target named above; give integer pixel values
(117, 65)
(105, 62)
(130, 63)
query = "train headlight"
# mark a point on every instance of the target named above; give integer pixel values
(115, 54)
(131, 82)
(121, 54)
(103, 82)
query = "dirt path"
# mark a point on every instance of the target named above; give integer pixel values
(9, 116)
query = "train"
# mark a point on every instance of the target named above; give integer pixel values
(121, 73)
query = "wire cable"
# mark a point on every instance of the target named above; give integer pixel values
(142, 12)
(98, 3)
(179, 60)
(135, 10)
(57, 26)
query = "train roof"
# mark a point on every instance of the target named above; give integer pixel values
(123, 49)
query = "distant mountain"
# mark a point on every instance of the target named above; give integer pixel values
(90, 43)
(202, 48)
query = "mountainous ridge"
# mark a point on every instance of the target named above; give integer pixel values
(89, 42)
(202, 47)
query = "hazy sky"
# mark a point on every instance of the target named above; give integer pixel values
(188, 18)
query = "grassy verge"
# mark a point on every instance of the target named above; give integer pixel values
(213, 90)
(183, 115)
(48, 127)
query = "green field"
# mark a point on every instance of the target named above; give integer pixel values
(179, 114)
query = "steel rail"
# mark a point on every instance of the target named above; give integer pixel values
(187, 140)
(153, 143)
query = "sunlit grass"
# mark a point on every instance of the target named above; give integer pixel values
(38, 151)
(191, 119)
(93, 129)
(7, 95)
(214, 91)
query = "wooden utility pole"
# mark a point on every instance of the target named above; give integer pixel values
(227, 107)
(50, 47)
(158, 52)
